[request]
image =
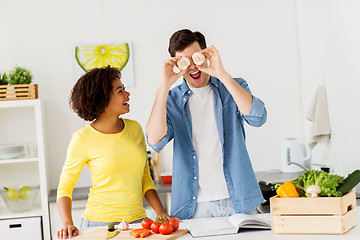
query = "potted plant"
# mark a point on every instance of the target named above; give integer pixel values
(4, 79)
(20, 75)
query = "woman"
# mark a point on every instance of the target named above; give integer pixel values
(114, 150)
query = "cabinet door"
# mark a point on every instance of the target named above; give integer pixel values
(21, 228)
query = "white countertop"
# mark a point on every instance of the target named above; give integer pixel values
(352, 234)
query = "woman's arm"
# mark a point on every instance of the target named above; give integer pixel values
(153, 199)
(68, 230)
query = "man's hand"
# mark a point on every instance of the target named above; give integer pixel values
(68, 231)
(215, 68)
(169, 77)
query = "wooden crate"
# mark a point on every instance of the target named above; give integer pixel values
(322, 215)
(18, 92)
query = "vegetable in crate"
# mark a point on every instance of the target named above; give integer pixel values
(20, 76)
(326, 181)
(286, 190)
(350, 182)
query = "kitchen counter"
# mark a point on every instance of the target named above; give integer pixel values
(352, 234)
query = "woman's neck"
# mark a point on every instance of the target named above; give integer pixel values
(108, 125)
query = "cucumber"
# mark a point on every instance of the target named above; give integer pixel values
(350, 182)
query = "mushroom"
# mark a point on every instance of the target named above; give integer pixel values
(198, 58)
(314, 190)
(183, 63)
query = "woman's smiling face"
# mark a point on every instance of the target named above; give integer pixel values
(119, 101)
(193, 76)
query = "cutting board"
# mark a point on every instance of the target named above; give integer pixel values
(100, 234)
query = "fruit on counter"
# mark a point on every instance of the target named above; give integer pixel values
(183, 63)
(155, 227)
(146, 223)
(12, 194)
(175, 224)
(166, 228)
(350, 182)
(123, 225)
(327, 182)
(286, 190)
(198, 58)
(25, 193)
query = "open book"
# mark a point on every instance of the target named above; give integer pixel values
(228, 225)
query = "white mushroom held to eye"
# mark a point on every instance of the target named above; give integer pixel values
(314, 190)
(183, 63)
(198, 58)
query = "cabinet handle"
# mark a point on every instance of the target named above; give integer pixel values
(15, 226)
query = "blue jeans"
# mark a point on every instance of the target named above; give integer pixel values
(217, 208)
(86, 223)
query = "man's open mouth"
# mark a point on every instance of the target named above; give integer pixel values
(195, 75)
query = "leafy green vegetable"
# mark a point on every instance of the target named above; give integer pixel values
(327, 182)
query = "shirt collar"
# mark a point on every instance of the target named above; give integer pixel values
(184, 88)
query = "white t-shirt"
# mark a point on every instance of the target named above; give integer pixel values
(207, 145)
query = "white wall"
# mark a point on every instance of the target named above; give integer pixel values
(258, 40)
(329, 43)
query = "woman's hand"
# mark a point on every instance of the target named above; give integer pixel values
(169, 77)
(68, 231)
(165, 216)
(215, 68)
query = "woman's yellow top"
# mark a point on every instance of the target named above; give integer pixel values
(119, 172)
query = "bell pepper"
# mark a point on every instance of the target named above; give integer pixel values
(286, 190)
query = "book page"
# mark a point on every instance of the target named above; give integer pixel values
(210, 226)
(251, 221)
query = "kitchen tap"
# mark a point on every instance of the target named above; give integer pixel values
(299, 165)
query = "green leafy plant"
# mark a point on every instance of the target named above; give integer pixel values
(20, 76)
(4, 79)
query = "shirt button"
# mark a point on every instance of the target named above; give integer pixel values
(184, 99)
(194, 198)
(194, 157)
(195, 178)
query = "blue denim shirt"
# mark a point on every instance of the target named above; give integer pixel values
(242, 185)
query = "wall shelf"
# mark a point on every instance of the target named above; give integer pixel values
(21, 122)
(18, 160)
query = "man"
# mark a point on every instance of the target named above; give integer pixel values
(212, 173)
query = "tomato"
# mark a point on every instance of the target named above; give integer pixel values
(162, 220)
(146, 223)
(166, 228)
(175, 224)
(155, 227)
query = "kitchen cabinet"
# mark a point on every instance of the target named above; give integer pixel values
(21, 122)
(14, 229)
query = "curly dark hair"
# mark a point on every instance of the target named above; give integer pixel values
(183, 38)
(91, 93)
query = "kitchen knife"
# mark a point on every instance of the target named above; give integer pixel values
(111, 232)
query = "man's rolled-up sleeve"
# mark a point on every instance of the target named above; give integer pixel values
(157, 147)
(258, 114)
